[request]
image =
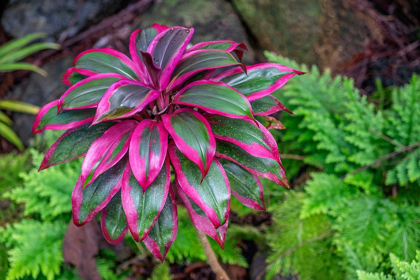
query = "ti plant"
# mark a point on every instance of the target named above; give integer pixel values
(167, 109)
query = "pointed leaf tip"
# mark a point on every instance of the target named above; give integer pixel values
(215, 98)
(148, 148)
(163, 233)
(212, 194)
(143, 208)
(192, 135)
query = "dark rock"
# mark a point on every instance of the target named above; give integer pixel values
(22, 17)
(212, 20)
(322, 32)
(38, 90)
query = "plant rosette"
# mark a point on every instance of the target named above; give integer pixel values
(166, 110)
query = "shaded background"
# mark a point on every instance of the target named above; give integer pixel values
(363, 39)
(367, 40)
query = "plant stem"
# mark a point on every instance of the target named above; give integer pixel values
(211, 257)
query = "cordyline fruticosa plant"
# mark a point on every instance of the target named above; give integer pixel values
(167, 110)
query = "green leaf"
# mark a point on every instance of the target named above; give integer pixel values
(200, 60)
(8, 67)
(113, 220)
(16, 44)
(48, 118)
(215, 98)
(164, 231)
(192, 135)
(88, 201)
(19, 54)
(7, 133)
(245, 187)
(264, 167)
(4, 118)
(142, 208)
(212, 193)
(89, 92)
(19, 106)
(73, 143)
(106, 61)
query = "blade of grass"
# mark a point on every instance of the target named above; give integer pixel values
(20, 54)
(18, 106)
(4, 118)
(18, 43)
(21, 66)
(7, 133)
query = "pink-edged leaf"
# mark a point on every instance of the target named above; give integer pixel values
(148, 148)
(167, 49)
(73, 143)
(224, 45)
(87, 202)
(47, 118)
(246, 187)
(152, 70)
(124, 99)
(192, 135)
(201, 222)
(260, 79)
(88, 92)
(215, 98)
(107, 150)
(267, 105)
(251, 136)
(237, 49)
(211, 194)
(164, 231)
(97, 61)
(271, 122)
(139, 43)
(196, 61)
(261, 166)
(72, 76)
(142, 208)
(113, 221)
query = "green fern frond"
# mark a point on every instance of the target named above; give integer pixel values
(326, 194)
(35, 254)
(161, 272)
(402, 270)
(46, 193)
(301, 246)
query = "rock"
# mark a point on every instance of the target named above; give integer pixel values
(309, 31)
(38, 90)
(212, 20)
(23, 17)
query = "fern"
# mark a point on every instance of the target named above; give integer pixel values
(47, 193)
(161, 272)
(402, 270)
(326, 194)
(339, 131)
(36, 248)
(301, 246)
(34, 245)
(360, 149)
